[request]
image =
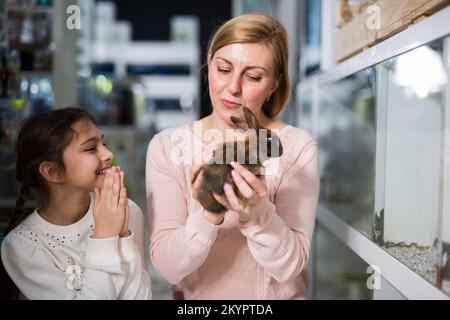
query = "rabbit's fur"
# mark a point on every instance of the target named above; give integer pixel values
(218, 172)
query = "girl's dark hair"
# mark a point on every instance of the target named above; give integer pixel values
(42, 137)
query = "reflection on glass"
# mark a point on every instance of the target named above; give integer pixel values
(340, 273)
(445, 228)
(305, 118)
(346, 137)
(413, 168)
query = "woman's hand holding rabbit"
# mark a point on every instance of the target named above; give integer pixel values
(249, 185)
(110, 206)
(213, 218)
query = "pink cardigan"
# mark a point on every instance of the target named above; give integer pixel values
(266, 260)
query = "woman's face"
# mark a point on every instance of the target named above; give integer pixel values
(241, 74)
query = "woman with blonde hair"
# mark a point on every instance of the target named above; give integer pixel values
(258, 251)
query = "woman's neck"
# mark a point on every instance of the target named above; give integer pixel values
(216, 122)
(65, 207)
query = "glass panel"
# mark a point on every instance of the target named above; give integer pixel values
(346, 138)
(339, 273)
(313, 21)
(413, 169)
(445, 154)
(305, 120)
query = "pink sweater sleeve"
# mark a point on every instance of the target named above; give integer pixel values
(280, 234)
(179, 244)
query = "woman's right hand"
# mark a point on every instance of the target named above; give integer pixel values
(213, 218)
(110, 206)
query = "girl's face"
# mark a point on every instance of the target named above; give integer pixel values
(241, 74)
(86, 158)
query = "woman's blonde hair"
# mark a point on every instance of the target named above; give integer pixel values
(259, 28)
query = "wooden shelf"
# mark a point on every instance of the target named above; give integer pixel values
(355, 36)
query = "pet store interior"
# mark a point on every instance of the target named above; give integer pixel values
(369, 81)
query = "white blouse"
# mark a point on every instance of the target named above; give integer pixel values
(48, 261)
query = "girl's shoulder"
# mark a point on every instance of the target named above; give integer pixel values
(26, 233)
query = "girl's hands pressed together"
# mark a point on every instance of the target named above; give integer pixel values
(110, 206)
(125, 232)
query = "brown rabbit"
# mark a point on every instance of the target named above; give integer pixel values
(258, 147)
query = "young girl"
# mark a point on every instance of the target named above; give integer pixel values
(75, 245)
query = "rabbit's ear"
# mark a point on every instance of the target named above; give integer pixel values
(240, 124)
(252, 121)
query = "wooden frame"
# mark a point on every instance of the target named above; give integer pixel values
(395, 16)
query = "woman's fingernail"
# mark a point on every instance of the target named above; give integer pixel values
(233, 164)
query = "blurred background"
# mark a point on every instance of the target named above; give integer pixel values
(369, 82)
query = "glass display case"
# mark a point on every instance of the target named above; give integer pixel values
(346, 137)
(348, 278)
(30, 70)
(305, 115)
(384, 153)
(415, 105)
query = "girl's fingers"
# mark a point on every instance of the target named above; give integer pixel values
(106, 189)
(122, 178)
(125, 229)
(249, 177)
(232, 198)
(115, 195)
(242, 185)
(122, 199)
(96, 195)
(127, 210)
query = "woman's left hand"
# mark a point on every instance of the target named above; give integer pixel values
(249, 185)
